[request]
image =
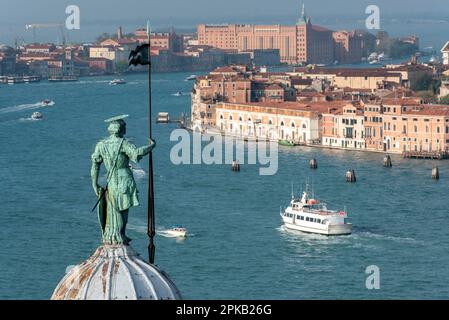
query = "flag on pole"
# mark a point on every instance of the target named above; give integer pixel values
(148, 29)
(139, 55)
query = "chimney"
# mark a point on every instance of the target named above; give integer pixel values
(119, 33)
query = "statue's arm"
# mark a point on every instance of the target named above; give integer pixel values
(95, 170)
(135, 153)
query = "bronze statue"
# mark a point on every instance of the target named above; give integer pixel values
(120, 192)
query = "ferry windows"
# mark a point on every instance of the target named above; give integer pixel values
(318, 220)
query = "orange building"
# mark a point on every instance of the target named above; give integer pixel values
(302, 42)
(403, 125)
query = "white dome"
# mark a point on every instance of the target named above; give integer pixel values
(115, 272)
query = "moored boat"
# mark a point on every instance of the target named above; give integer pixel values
(312, 216)
(287, 143)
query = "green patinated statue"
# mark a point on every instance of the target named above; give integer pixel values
(120, 192)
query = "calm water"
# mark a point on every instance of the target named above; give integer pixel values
(238, 248)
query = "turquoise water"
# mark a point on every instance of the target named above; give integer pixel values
(238, 248)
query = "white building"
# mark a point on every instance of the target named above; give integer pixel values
(345, 129)
(293, 121)
(445, 52)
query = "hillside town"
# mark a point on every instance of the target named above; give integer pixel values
(372, 109)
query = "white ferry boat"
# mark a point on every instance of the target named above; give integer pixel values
(309, 215)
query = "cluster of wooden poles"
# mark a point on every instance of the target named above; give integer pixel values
(350, 174)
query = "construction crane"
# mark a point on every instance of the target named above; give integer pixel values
(35, 26)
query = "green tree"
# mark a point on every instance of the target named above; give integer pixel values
(104, 36)
(428, 96)
(422, 83)
(445, 100)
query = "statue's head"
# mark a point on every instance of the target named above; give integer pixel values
(117, 126)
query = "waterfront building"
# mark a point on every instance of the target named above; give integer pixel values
(295, 121)
(344, 127)
(115, 54)
(348, 46)
(300, 43)
(403, 125)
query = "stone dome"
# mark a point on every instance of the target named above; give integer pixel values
(115, 272)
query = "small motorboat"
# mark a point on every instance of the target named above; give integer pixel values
(37, 116)
(177, 94)
(46, 102)
(179, 231)
(117, 81)
(191, 77)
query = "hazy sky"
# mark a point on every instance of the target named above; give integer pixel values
(104, 15)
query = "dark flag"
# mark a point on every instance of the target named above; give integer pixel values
(139, 55)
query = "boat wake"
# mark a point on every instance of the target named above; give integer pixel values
(29, 119)
(26, 107)
(376, 236)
